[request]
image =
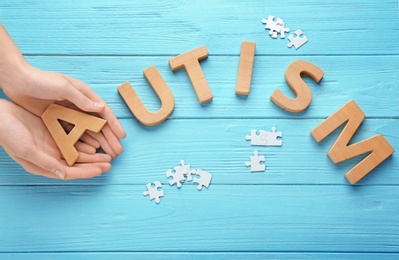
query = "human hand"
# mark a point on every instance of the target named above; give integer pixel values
(35, 89)
(26, 139)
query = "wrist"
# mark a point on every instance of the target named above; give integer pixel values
(12, 62)
(4, 119)
(13, 73)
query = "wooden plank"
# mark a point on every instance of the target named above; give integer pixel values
(219, 146)
(302, 207)
(196, 255)
(372, 83)
(245, 218)
(162, 27)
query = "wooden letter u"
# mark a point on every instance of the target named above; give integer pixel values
(137, 107)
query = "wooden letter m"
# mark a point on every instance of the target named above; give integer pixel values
(377, 146)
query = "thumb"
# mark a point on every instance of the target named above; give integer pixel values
(46, 162)
(81, 101)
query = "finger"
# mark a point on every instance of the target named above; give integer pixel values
(81, 171)
(85, 148)
(112, 139)
(72, 94)
(84, 171)
(43, 161)
(106, 113)
(104, 166)
(66, 126)
(86, 138)
(94, 158)
(34, 169)
(103, 143)
(113, 122)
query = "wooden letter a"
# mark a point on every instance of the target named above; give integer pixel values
(81, 121)
(377, 145)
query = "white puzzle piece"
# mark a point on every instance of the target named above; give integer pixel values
(297, 41)
(179, 173)
(204, 180)
(275, 27)
(255, 162)
(185, 168)
(265, 138)
(273, 138)
(177, 177)
(154, 192)
(256, 139)
(283, 30)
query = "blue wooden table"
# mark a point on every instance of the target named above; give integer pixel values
(301, 207)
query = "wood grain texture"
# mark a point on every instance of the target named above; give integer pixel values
(302, 207)
(293, 77)
(377, 146)
(161, 27)
(198, 255)
(137, 107)
(371, 82)
(219, 146)
(245, 218)
(245, 68)
(190, 61)
(81, 123)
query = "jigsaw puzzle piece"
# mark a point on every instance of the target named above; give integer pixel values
(255, 162)
(204, 180)
(256, 139)
(185, 169)
(154, 192)
(273, 138)
(177, 177)
(297, 41)
(283, 30)
(273, 26)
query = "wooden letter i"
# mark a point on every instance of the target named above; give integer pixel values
(245, 67)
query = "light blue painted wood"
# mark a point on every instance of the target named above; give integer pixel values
(248, 218)
(301, 207)
(371, 83)
(219, 146)
(165, 27)
(192, 255)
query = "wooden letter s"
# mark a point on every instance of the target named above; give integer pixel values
(298, 86)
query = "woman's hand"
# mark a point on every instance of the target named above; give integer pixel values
(26, 139)
(35, 90)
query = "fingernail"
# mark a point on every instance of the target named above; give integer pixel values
(98, 105)
(59, 174)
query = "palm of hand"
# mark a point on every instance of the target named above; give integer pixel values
(37, 91)
(24, 137)
(28, 134)
(40, 88)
